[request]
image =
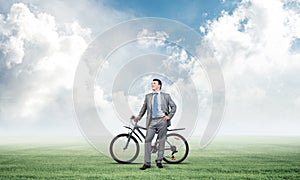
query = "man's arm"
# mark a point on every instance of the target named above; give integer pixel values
(172, 106)
(142, 111)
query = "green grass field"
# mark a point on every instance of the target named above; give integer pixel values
(225, 158)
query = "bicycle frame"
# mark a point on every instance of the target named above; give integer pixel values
(133, 132)
(136, 127)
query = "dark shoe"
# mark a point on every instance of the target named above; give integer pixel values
(145, 166)
(159, 165)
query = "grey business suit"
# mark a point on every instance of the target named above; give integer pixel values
(168, 107)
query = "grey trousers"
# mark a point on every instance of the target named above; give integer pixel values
(161, 126)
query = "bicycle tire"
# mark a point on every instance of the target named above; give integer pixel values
(177, 160)
(115, 156)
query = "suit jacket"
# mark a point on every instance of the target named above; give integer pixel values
(167, 106)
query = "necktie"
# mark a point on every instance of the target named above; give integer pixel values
(155, 106)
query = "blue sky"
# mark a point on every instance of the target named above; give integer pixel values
(255, 42)
(192, 13)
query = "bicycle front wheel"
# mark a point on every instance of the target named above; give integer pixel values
(176, 148)
(124, 149)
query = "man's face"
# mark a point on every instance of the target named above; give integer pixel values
(155, 86)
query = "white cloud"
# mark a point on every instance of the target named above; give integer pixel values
(146, 38)
(202, 29)
(55, 68)
(39, 55)
(258, 33)
(253, 46)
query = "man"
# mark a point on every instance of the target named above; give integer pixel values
(160, 110)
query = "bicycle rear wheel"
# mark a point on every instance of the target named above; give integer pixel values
(176, 149)
(123, 149)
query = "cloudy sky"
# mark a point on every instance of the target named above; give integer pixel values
(257, 44)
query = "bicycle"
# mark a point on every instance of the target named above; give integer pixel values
(125, 148)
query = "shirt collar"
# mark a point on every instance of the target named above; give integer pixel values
(156, 92)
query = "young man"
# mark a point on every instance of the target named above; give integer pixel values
(160, 109)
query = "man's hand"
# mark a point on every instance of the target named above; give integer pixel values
(135, 119)
(166, 118)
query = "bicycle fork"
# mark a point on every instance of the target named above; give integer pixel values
(128, 141)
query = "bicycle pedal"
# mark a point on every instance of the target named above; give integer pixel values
(174, 152)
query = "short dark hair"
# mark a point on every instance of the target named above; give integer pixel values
(159, 82)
